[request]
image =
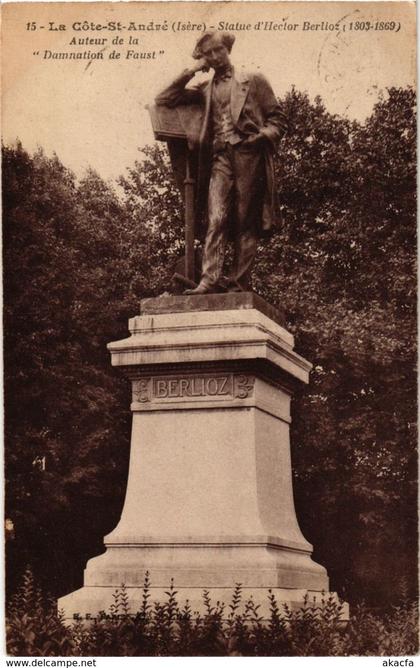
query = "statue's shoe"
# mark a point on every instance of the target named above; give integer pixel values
(200, 290)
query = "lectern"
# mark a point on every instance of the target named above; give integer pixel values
(180, 129)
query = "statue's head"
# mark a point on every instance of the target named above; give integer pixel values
(214, 47)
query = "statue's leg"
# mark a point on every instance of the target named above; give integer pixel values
(249, 184)
(219, 204)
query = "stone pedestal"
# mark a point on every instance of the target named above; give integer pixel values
(209, 499)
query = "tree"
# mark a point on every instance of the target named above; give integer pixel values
(347, 281)
(66, 435)
(154, 206)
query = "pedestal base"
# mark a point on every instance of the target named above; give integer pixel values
(87, 602)
(209, 497)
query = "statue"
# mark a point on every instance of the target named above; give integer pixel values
(223, 512)
(240, 124)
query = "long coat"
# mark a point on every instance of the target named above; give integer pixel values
(254, 109)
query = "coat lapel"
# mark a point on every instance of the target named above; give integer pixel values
(238, 95)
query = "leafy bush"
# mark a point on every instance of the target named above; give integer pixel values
(167, 629)
(33, 627)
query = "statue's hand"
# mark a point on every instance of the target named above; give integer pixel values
(254, 140)
(200, 66)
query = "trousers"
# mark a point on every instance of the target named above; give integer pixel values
(235, 197)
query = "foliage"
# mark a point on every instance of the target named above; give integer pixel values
(150, 195)
(77, 258)
(33, 627)
(343, 268)
(62, 400)
(169, 629)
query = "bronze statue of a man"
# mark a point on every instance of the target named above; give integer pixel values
(241, 125)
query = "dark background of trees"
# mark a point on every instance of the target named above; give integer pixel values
(79, 255)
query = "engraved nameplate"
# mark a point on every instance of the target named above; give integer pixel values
(192, 388)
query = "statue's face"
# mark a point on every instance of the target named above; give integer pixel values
(215, 52)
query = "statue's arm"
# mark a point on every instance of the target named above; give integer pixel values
(177, 94)
(275, 121)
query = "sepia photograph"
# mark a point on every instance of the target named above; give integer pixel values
(209, 329)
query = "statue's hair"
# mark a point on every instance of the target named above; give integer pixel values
(227, 39)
